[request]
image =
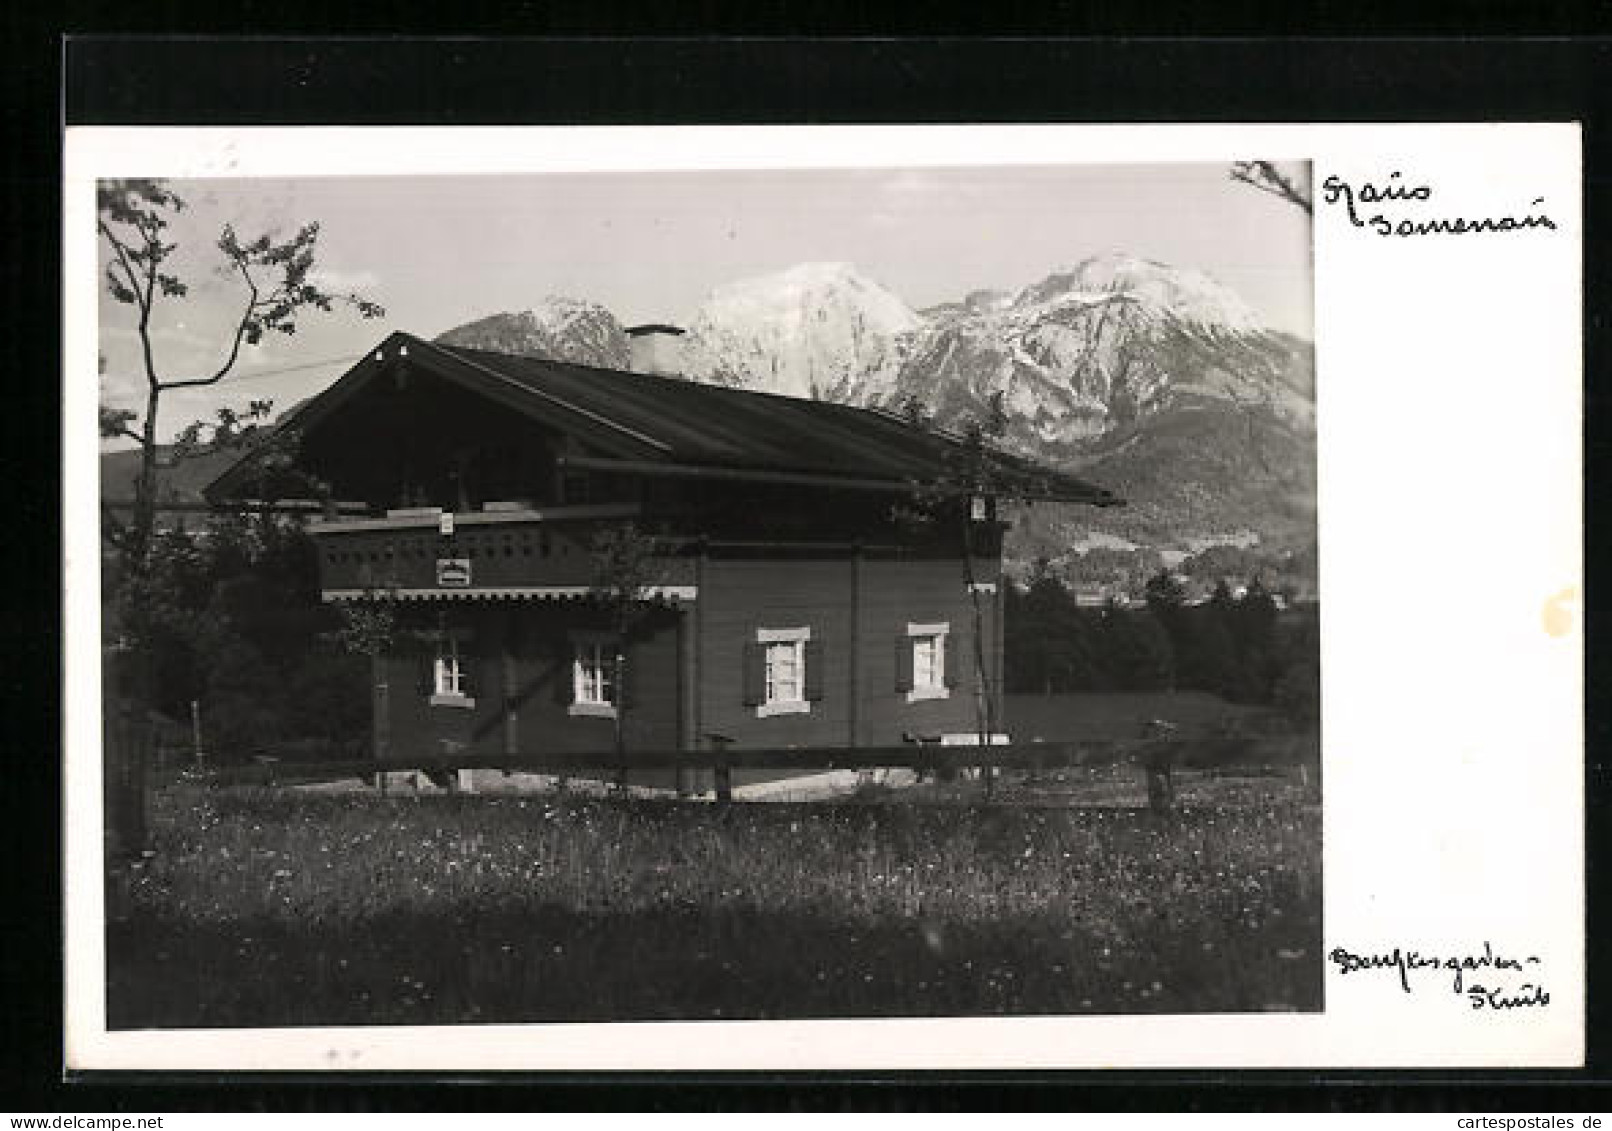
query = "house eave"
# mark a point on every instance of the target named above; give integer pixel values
(1092, 496)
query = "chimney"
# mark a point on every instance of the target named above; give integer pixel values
(656, 349)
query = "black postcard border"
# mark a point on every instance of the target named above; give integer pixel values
(255, 80)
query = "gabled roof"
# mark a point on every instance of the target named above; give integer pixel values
(667, 425)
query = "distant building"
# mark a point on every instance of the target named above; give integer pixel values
(790, 606)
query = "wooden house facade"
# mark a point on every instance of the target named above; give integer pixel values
(789, 593)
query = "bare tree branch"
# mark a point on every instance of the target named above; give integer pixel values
(241, 329)
(132, 217)
(1267, 177)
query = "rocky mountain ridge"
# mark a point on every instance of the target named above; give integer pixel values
(1156, 381)
(565, 329)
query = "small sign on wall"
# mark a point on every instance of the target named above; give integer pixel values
(453, 573)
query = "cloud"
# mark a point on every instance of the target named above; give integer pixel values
(901, 197)
(344, 281)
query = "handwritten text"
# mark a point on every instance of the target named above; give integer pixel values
(1336, 191)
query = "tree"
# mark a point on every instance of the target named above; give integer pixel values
(1205, 658)
(625, 568)
(1214, 658)
(1297, 688)
(230, 618)
(1254, 629)
(133, 219)
(962, 499)
(1136, 650)
(1165, 596)
(368, 627)
(1045, 652)
(1284, 184)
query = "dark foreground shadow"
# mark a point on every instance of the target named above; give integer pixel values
(672, 962)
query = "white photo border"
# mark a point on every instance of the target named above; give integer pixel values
(1450, 495)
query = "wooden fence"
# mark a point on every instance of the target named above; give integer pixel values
(132, 740)
(1155, 756)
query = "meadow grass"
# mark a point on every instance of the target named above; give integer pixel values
(262, 908)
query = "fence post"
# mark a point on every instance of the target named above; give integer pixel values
(721, 772)
(125, 748)
(196, 734)
(1156, 759)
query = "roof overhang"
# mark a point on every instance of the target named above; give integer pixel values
(401, 350)
(631, 450)
(1045, 488)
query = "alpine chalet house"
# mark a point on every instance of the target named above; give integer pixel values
(789, 599)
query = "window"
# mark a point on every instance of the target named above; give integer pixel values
(785, 666)
(924, 662)
(450, 673)
(593, 676)
(782, 675)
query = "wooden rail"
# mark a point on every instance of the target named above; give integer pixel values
(1156, 755)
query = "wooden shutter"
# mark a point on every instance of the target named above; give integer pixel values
(425, 671)
(626, 690)
(469, 670)
(564, 671)
(903, 663)
(813, 657)
(755, 674)
(952, 671)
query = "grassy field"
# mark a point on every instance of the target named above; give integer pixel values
(289, 908)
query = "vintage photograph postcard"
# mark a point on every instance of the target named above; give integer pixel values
(807, 597)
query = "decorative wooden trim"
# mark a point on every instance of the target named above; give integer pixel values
(503, 593)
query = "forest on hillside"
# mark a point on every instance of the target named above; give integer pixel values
(1245, 646)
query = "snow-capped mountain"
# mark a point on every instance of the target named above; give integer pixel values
(1156, 381)
(815, 330)
(1095, 347)
(1073, 356)
(564, 329)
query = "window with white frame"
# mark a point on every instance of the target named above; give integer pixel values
(929, 676)
(593, 676)
(450, 674)
(784, 655)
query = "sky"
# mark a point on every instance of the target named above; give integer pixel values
(443, 250)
